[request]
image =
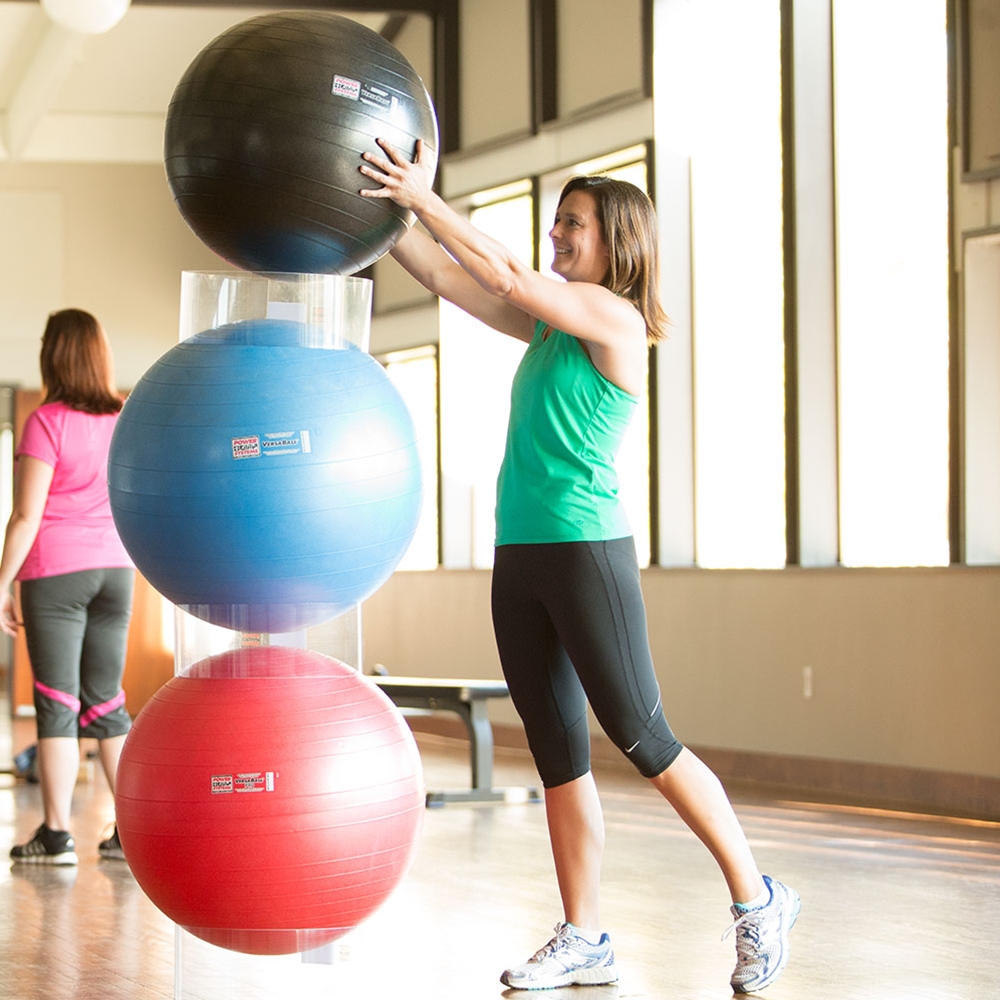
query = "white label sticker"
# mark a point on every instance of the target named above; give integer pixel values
(222, 784)
(344, 86)
(255, 781)
(270, 443)
(246, 447)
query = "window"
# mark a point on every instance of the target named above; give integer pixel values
(414, 372)
(981, 397)
(477, 367)
(732, 133)
(891, 162)
(632, 463)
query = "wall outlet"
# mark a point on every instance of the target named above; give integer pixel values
(807, 682)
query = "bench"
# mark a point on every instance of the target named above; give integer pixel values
(468, 699)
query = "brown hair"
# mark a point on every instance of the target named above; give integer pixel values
(628, 225)
(76, 363)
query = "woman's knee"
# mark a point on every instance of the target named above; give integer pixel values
(561, 753)
(655, 759)
(57, 714)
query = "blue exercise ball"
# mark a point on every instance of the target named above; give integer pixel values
(262, 485)
(264, 136)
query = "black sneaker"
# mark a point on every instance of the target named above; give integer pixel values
(46, 847)
(111, 847)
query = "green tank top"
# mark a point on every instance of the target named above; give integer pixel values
(558, 481)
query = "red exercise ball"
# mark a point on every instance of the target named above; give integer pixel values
(269, 799)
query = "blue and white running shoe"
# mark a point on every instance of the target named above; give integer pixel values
(567, 960)
(762, 938)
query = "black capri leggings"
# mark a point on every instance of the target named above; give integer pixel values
(570, 627)
(76, 627)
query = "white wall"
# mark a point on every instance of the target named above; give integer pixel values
(103, 238)
(905, 663)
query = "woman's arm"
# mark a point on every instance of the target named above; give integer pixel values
(584, 310)
(31, 491)
(440, 274)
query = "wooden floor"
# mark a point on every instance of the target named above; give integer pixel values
(893, 906)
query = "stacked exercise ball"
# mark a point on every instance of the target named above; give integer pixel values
(264, 137)
(269, 799)
(262, 485)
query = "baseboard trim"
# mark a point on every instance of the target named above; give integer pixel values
(877, 785)
(813, 778)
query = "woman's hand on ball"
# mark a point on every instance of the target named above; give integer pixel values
(408, 184)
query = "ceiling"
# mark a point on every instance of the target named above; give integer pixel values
(66, 97)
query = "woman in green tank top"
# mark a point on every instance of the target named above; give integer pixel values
(567, 605)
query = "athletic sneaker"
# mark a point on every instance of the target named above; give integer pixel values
(762, 938)
(112, 846)
(46, 847)
(567, 960)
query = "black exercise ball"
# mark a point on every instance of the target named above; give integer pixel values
(264, 138)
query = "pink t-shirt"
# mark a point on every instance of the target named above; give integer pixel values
(77, 531)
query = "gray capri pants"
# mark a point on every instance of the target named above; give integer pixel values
(570, 626)
(76, 627)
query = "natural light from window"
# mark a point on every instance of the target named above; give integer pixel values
(890, 105)
(632, 462)
(477, 368)
(414, 373)
(733, 133)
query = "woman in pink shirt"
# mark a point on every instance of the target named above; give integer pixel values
(76, 577)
